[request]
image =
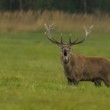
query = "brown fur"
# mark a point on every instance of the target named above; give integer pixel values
(80, 68)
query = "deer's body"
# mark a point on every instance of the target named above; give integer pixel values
(80, 68)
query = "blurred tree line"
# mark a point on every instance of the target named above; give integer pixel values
(77, 6)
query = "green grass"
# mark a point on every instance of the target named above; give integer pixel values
(32, 78)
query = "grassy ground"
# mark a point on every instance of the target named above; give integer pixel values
(31, 75)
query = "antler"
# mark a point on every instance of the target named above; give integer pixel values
(77, 41)
(49, 28)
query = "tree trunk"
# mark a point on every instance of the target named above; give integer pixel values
(85, 6)
(30, 4)
(20, 5)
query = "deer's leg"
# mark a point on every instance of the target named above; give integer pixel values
(76, 82)
(72, 82)
(97, 82)
(107, 82)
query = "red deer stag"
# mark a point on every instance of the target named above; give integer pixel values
(80, 68)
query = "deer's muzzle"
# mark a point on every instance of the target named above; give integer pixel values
(66, 60)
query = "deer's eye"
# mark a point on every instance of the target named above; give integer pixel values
(62, 48)
(69, 47)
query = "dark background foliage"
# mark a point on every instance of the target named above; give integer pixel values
(72, 6)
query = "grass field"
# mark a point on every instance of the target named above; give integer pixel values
(32, 78)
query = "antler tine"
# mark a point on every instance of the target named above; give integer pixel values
(46, 27)
(61, 39)
(52, 26)
(74, 42)
(87, 32)
(70, 39)
(49, 36)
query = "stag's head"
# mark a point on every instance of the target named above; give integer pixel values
(65, 47)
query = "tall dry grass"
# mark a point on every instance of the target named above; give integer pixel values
(65, 22)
